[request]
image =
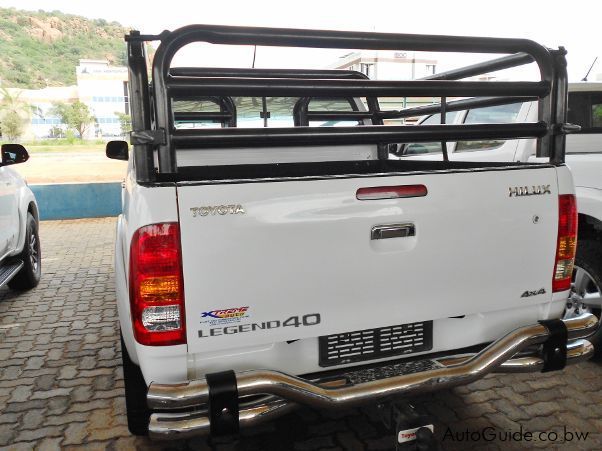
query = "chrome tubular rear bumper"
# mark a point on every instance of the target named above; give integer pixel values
(283, 391)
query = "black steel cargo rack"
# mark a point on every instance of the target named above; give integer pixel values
(155, 138)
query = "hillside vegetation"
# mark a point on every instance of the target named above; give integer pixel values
(39, 49)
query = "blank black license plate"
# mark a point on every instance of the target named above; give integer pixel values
(373, 344)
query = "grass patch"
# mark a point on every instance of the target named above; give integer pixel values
(73, 148)
(64, 145)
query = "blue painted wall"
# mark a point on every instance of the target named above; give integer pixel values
(78, 200)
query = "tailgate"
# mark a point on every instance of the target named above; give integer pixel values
(284, 260)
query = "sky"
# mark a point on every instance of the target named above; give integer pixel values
(552, 23)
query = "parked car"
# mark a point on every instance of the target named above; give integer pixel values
(583, 157)
(257, 269)
(20, 257)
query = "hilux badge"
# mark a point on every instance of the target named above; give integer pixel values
(217, 210)
(534, 190)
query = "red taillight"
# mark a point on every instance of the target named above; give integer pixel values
(391, 192)
(567, 242)
(156, 285)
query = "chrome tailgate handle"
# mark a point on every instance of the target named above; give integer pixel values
(381, 232)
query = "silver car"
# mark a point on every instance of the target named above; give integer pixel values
(20, 257)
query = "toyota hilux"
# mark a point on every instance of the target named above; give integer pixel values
(271, 253)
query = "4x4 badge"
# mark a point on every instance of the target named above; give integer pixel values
(528, 294)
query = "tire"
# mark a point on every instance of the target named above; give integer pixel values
(589, 260)
(29, 275)
(138, 413)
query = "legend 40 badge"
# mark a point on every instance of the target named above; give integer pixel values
(311, 319)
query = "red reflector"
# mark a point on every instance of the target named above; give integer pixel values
(156, 285)
(391, 192)
(566, 245)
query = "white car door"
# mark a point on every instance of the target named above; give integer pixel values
(9, 214)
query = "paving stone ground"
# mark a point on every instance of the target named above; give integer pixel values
(61, 384)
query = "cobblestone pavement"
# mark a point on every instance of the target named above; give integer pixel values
(61, 381)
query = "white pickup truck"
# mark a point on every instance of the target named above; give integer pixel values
(583, 156)
(262, 268)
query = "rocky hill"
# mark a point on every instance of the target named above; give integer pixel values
(39, 49)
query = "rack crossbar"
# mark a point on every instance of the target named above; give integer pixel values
(369, 134)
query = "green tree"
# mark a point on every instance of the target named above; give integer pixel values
(14, 111)
(125, 122)
(11, 126)
(75, 115)
(56, 132)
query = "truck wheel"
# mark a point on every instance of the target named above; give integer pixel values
(587, 283)
(138, 413)
(29, 275)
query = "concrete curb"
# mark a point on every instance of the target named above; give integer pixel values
(78, 200)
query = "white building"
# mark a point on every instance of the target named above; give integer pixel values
(42, 122)
(387, 64)
(104, 89)
(390, 65)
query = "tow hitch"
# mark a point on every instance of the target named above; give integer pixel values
(414, 430)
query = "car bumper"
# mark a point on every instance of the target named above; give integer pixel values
(518, 351)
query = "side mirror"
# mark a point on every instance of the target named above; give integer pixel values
(13, 154)
(117, 150)
(399, 149)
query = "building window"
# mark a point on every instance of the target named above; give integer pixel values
(126, 98)
(45, 121)
(107, 120)
(109, 99)
(367, 69)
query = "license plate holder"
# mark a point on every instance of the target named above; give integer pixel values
(371, 344)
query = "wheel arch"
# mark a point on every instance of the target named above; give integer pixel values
(33, 209)
(26, 202)
(590, 228)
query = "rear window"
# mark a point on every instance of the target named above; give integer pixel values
(585, 109)
(189, 108)
(500, 114)
(255, 112)
(429, 147)
(331, 105)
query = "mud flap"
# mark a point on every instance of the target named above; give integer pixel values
(554, 349)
